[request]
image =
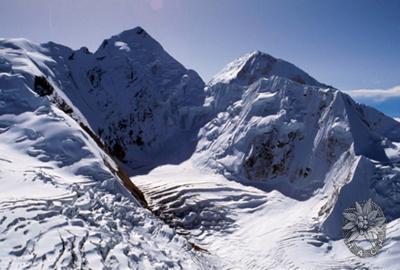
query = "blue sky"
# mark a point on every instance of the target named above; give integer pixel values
(348, 44)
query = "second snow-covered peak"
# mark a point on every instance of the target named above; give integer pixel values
(255, 65)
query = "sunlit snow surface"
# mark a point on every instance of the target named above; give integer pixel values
(273, 157)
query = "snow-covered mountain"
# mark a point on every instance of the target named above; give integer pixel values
(139, 101)
(276, 165)
(288, 133)
(65, 203)
(252, 170)
(299, 139)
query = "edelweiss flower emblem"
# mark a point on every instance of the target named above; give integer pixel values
(364, 228)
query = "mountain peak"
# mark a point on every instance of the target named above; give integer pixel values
(258, 56)
(255, 65)
(134, 31)
(137, 37)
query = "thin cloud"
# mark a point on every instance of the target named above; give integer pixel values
(377, 95)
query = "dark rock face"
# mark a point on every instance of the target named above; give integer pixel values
(264, 162)
(42, 86)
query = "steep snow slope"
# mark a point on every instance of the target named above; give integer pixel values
(138, 99)
(299, 155)
(61, 204)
